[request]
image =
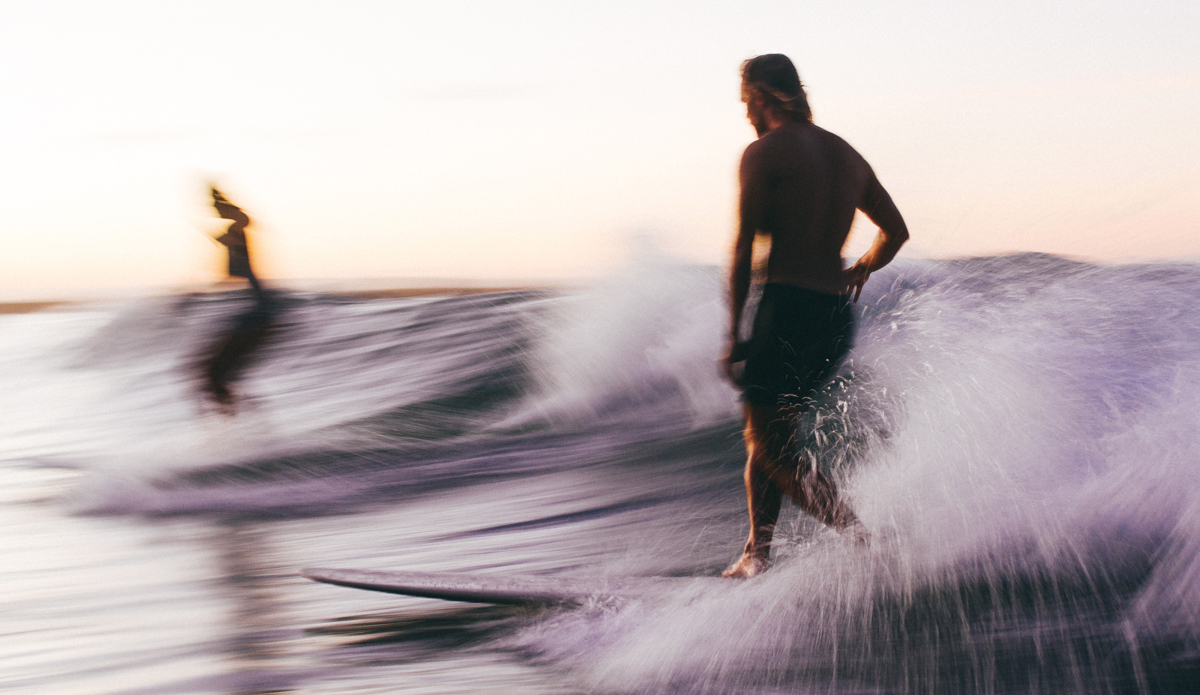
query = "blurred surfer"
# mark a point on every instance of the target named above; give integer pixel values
(234, 241)
(800, 187)
(230, 352)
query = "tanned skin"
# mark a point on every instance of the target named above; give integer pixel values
(800, 186)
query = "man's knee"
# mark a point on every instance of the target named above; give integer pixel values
(778, 443)
(780, 471)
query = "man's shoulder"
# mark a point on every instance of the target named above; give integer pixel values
(835, 142)
(757, 146)
(804, 135)
(757, 154)
(787, 143)
(783, 147)
(770, 145)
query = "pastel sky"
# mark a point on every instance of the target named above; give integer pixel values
(524, 139)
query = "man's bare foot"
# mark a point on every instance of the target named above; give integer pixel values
(748, 566)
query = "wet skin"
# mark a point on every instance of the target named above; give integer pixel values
(800, 186)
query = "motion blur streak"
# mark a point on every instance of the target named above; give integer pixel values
(1019, 433)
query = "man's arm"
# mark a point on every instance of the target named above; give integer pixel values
(751, 209)
(877, 205)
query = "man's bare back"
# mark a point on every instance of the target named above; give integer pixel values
(801, 186)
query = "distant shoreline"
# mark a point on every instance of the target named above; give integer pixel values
(393, 293)
(29, 307)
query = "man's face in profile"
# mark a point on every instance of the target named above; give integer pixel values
(754, 109)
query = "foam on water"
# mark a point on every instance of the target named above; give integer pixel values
(1032, 485)
(1020, 434)
(130, 402)
(638, 335)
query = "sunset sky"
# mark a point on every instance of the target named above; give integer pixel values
(537, 140)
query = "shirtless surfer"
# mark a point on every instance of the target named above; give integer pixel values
(234, 240)
(800, 186)
(232, 349)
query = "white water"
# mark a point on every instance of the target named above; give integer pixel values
(1020, 435)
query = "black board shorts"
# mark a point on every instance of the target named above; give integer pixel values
(800, 337)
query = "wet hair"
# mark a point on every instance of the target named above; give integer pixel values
(774, 76)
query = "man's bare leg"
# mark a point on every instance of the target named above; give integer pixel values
(764, 500)
(772, 469)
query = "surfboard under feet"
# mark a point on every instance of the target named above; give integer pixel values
(508, 589)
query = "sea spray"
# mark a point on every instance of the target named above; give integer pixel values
(1030, 478)
(1018, 433)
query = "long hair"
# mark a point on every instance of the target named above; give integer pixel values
(774, 76)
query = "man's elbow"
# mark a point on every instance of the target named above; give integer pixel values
(896, 235)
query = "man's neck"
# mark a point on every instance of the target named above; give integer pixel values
(773, 119)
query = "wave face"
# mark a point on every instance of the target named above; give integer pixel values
(1019, 433)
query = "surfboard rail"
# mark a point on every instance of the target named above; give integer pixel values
(499, 589)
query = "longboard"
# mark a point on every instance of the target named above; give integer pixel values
(507, 589)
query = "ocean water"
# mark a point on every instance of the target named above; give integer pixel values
(1021, 435)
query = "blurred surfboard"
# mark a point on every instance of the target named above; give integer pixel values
(508, 589)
